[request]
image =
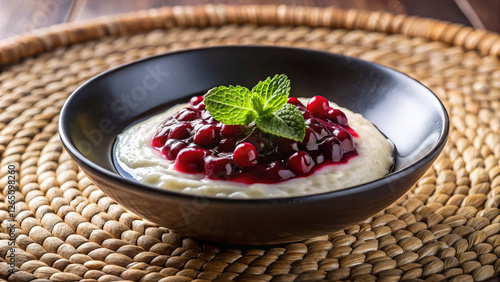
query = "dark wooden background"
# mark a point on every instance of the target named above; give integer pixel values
(18, 16)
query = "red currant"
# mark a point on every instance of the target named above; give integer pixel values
(337, 116)
(219, 168)
(172, 148)
(278, 172)
(231, 130)
(345, 140)
(160, 137)
(245, 155)
(180, 131)
(190, 160)
(300, 163)
(318, 106)
(310, 140)
(332, 149)
(187, 115)
(296, 102)
(196, 100)
(206, 136)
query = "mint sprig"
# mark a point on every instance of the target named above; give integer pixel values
(273, 91)
(265, 105)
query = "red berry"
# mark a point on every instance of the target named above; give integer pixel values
(310, 140)
(318, 127)
(206, 136)
(278, 172)
(196, 100)
(306, 115)
(180, 131)
(227, 145)
(318, 106)
(330, 127)
(337, 116)
(317, 157)
(206, 116)
(200, 107)
(172, 148)
(219, 168)
(296, 102)
(331, 149)
(345, 139)
(196, 126)
(160, 137)
(159, 141)
(300, 163)
(187, 115)
(231, 130)
(245, 155)
(190, 160)
(162, 130)
(287, 146)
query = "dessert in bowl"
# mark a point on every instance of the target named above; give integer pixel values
(189, 150)
(406, 112)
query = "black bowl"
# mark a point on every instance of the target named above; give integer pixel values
(404, 110)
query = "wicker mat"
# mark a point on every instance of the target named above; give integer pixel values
(445, 228)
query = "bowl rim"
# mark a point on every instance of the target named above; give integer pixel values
(131, 184)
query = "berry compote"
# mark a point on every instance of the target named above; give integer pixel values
(197, 143)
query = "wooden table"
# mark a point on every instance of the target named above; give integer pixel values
(22, 16)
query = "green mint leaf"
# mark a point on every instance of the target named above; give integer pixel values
(286, 122)
(257, 103)
(276, 102)
(266, 105)
(230, 105)
(274, 91)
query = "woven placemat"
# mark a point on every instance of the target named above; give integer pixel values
(65, 228)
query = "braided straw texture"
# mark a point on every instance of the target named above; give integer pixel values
(445, 228)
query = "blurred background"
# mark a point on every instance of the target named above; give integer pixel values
(24, 15)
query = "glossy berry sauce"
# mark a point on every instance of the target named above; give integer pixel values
(197, 143)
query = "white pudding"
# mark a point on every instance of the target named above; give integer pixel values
(136, 156)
